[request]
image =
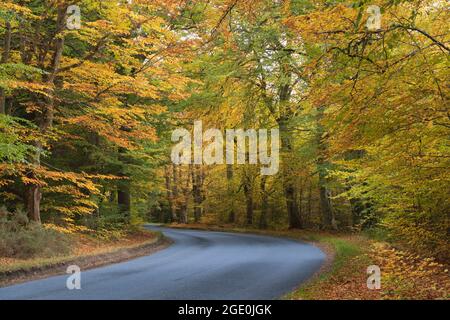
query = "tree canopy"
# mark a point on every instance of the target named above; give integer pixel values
(359, 95)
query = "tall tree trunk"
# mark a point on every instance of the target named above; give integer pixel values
(295, 221)
(186, 194)
(45, 120)
(124, 199)
(124, 188)
(197, 192)
(328, 218)
(309, 205)
(300, 202)
(4, 59)
(283, 114)
(264, 204)
(176, 198)
(170, 200)
(284, 93)
(248, 192)
(322, 167)
(230, 191)
(34, 196)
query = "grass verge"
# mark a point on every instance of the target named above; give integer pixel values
(88, 253)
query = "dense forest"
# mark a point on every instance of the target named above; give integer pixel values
(91, 92)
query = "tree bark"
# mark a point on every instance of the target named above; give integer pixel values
(300, 201)
(328, 220)
(308, 218)
(45, 120)
(325, 206)
(295, 221)
(282, 116)
(34, 200)
(264, 204)
(285, 91)
(4, 59)
(186, 194)
(170, 200)
(124, 199)
(197, 185)
(124, 187)
(230, 191)
(248, 192)
(175, 191)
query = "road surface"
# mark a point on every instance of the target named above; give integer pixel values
(199, 265)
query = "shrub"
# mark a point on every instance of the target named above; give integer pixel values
(20, 238)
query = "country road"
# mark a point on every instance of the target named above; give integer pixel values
(199, 265)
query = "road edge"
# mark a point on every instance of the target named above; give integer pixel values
(9, 278)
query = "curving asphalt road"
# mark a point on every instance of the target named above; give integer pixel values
(199, 265)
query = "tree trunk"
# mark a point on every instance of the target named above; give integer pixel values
(124, 188)
(248, 192)
(34, 200)
(325, 206)
(292, 207)
(124, 199)
(170, 200)
(176, 199)
(45, 120)
(230, 191)
(300, 201)
(4, 59)
(264, 204)
(197, 185)
(283, 113)
(285, 91)
(309, 203)
(186, 193)
(295, 221)
(322, 165)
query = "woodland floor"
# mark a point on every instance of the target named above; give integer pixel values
(404, 275)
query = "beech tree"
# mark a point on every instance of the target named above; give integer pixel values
(91, 91)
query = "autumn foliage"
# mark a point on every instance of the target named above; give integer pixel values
(86, 114)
